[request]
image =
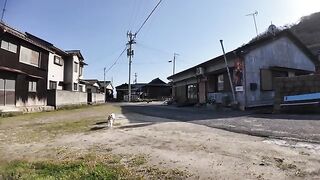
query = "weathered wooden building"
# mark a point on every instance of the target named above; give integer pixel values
(253, 67)
(23, 69)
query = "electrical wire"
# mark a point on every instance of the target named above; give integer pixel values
(145, 21)
(116, 60)
(163, 52)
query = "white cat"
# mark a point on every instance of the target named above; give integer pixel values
(111, 119)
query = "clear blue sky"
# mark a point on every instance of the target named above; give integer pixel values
(191, 28)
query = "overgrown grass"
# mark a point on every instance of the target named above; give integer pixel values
(64, 170)
(138, 160)
(41, 126)
(104, 108)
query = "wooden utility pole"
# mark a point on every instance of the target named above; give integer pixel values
(174, 63)
(229, 75)
(104, 85)
(130, 53)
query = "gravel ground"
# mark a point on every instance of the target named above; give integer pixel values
(283, 126)
(198, 150)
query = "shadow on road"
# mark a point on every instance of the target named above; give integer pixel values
(300, 127)
(96, 128)
(135, 125)
(184, 114)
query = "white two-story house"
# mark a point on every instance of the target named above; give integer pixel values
(74, 71)
(56, 68)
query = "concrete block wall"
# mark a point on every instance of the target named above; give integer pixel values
(59, 98)
(97, 98)
(295, 86)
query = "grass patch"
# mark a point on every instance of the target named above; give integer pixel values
(138, 160)
(65, 170)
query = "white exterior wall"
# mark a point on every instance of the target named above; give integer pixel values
(75, 75)
(55, 72)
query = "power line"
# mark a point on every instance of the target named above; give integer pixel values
(117, 59)
(163, 52)
(3, 10)
(131, 40)
(145, 21)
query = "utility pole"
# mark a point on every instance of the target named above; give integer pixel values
(104, 85)
(135, 78)
(130, 54)
(174, 62)
(3, 10)
(254, 20)
(230, 80)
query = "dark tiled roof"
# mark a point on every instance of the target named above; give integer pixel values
(157, 81)
(23, 36)
(75, 52)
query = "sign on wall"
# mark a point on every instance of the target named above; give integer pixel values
(238, 72)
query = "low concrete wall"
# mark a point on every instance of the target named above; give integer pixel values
(59, 98)
(97, 98)
(295, 86)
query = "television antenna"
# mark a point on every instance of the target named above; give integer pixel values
(254, 20)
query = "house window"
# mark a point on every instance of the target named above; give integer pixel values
(75, 67)
(8, 46)
(268, 76)
(58, 60)
(29, 56)
(75, 86)
(192, 92)
(52, 85)
(32, 86)
(220, 82)
(7, 92)
(80, 70)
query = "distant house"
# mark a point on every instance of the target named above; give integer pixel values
(156, 89)
(92, 85)
(23, 69)
(136, 91)
(109, 89)
(253, 67)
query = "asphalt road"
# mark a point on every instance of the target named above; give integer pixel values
(282, 126)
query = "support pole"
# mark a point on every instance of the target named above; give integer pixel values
(104, 85)
(229, 75)
(130, 55)
(3, 10)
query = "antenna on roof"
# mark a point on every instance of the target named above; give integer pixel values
(254, 19)
(3, 10)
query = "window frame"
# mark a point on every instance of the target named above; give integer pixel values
(194, 96)
(219, 81)
(80, 70)
(75, 67)
(33, 86)
(52, 83)
(29, 63)
(9, 44)
(75, 86)
(60, 62)
(271, 78)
